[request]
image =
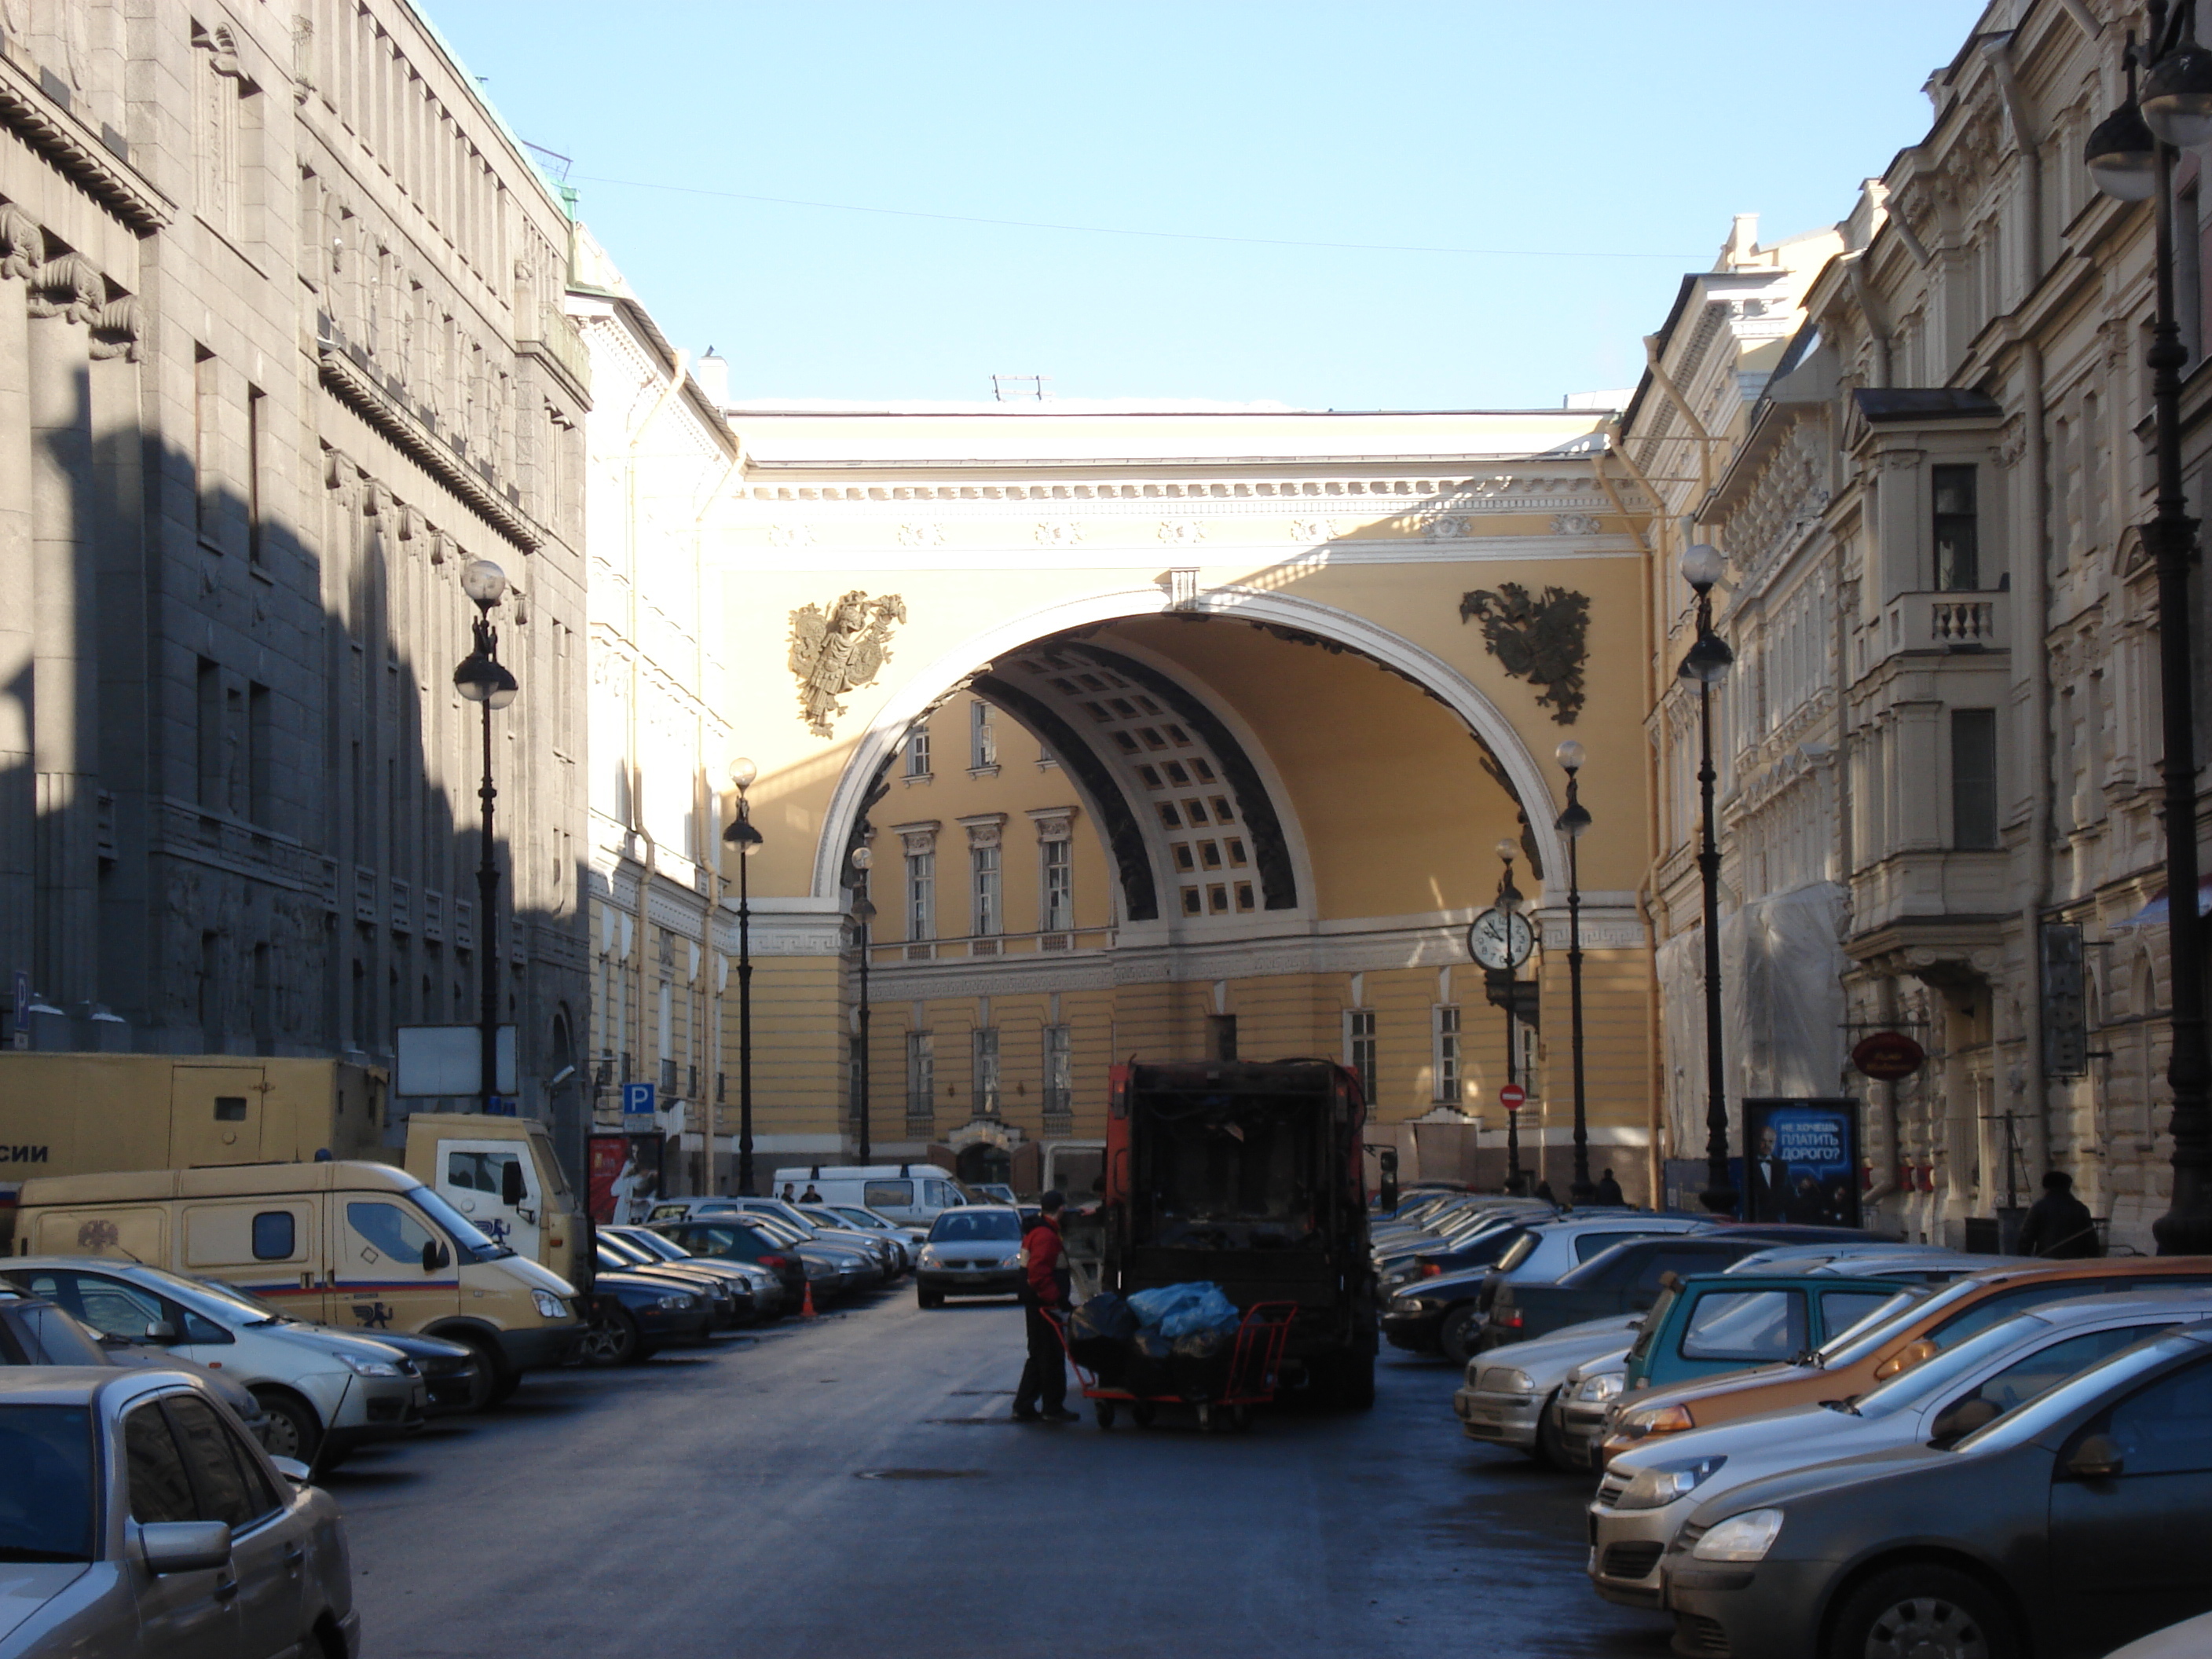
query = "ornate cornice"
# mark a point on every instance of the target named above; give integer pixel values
(78, 154)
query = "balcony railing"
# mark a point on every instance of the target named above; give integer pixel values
(1949, 622)
(1060, 940)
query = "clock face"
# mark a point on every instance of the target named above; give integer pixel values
(1500, 938)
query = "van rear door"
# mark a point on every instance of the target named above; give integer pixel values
(496, 1184)
(215, 1114)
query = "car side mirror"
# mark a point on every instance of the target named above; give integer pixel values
(160, 1331)
(1963, 1418)
(293, 1470)
(512, 1192)
(184, 1545)
(2097, 1458)
(1912, 1353)
(433, 1255)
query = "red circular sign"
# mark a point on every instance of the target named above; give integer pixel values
(1513, 1096)
(1888, 1055)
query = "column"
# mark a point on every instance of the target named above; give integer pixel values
(22, 251)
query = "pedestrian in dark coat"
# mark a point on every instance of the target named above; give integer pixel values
(2059, 1227)
(1608, 1190)
(1041, 1397)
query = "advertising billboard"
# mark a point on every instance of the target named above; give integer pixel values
(1802, 1161)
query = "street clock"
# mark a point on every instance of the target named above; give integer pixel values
(1500, 938)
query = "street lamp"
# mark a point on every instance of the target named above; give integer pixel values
(1574, 822)
(742, 836)
(1707, 663)
(1509, 903)
(2131, 155)
(864, 912)
(486, 681)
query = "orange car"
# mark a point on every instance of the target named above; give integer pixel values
(1858, 1359)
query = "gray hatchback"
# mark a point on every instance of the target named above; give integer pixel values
(137, 1519)
(975, 1250)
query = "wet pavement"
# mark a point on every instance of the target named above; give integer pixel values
(855, 1486)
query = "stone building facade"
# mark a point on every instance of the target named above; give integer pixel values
(286, 351)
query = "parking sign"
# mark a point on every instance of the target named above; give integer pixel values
(637, 1100)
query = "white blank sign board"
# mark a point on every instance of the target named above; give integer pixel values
(448, 1060)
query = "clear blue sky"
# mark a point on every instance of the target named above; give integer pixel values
(1624, 131)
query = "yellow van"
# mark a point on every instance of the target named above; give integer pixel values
(356, 1245)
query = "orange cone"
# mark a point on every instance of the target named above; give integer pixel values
(806, 1305)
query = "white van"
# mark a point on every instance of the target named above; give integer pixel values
(913, 1195)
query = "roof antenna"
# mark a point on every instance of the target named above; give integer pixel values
(1020, 388)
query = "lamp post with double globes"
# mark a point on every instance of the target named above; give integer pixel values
(1574, 822)
(2131, 155)
(486, 681)
(742, 836)
(1707, 664)
(864, 912)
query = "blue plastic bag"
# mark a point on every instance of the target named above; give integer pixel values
(1209, 1311)
(1153, 1307)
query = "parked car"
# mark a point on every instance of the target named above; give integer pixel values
(871, 1250)
(326, 1392)
(913, 1237)
(1626, 1278)
(732, 1238)
(2073, 1522)
(1506, 1399)
(2190, 1639)
(640, 1314)
(835, 1224)
(35, 1332)
(832, 1269)
(1870, 1354)
(973, 1251)
(1709, 1323)
(1583, 1407)
(1478, 1241)
(721, 1294)
(914, 1194)
(989, 1192)
(1644, 1499)
(762, 1288)
(138, 1518)
(1444, 1314)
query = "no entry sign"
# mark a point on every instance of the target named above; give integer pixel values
(1513, 1096)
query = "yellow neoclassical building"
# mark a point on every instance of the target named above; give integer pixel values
(1173, 733)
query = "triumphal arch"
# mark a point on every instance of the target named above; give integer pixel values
(1176, 734)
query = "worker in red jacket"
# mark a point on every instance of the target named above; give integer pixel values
(1044, 1298)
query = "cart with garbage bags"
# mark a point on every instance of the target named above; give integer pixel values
(1178, 1345)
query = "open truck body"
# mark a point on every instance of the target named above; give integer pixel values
(1248, 1174)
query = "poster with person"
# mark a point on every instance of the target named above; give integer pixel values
(625, 1172)
(1802, 1161)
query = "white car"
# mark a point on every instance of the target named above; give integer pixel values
(325, 1392)
(1508, 1395)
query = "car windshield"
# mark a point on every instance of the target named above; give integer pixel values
(657, 1245)
(458, 1227)
(867, 1219)
(261, 1312)
(825, 1219)
(51, 1337)
(1864, 1337)
(775, 1227)
(954, 1227)
(46, 1483)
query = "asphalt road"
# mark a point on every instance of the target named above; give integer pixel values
(855, 1486)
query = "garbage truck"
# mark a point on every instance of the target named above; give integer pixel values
(1248, 1174)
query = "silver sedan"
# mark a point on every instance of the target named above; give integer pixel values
(138, 1521)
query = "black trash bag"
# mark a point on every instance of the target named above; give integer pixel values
(1200, 1364)
(1104, 1314)
(1150, 1363)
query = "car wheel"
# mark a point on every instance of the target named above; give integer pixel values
(293, 1430)
(929, 1298)
(1551, 1450)
(1925, 1611)
(611, 1340)
(1457, 1336)
(1141, 1413)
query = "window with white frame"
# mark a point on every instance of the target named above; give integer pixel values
(985, 1046)
(1444, 1057)
(982, 737)
(1059, 1069)
(1058, 911)
(920, 1073)
(921, 895)
(983, 862)
(917, 752)
(1359, 1047)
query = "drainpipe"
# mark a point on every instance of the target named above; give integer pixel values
(1702, 439)
(2026, 145)
(1877, 324)
(2031, 664)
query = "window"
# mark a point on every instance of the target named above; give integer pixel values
(1958, 559)
(1445, 1058)
(230, 1109)
(1244, 896)
(1752, 1326)
(1840, 1310)
(921, 895)
(1359, 1047)
(51, 1337)
(260, 772)
(1182, 857)
(213, 788)
(887, 1195)
(1059, 1069)
(982, 737)
(227, 1492)
(920, 1074)
(983, 863)
(2166, 1429)
(161, 1490)
(1192, 904)
(1059, 913)
(985, 1046)
(917, 752)
(1973, 777)
(2028, 1377)
(1221, 812)
(275, 1235)
(389, 1229)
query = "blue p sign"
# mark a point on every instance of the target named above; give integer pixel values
(637, 1099)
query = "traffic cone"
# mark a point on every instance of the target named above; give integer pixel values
(806, 1304)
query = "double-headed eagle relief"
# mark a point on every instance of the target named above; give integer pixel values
(1538, 638)
(839, 651)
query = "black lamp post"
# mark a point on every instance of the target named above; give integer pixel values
(1508, 901)
(864, 912)
(742, 836)
(486, 681)
(2131, 155)
(1573, 823)
(1707, 663)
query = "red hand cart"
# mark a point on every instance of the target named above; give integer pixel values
(1255, 1362)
